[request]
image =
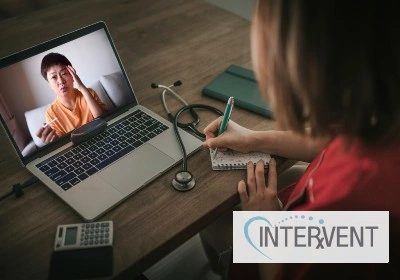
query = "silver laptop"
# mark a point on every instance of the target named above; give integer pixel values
(92, 177)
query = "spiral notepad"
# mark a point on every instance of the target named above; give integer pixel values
(230, 160)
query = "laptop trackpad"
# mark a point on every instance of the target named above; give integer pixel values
(134, 170)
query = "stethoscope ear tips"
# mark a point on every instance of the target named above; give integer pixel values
(177, 83)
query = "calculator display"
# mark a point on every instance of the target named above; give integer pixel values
(71, 235)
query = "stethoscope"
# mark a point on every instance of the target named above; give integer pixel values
(184, 180)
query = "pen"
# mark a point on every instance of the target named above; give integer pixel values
(225, 120)
(50, 122)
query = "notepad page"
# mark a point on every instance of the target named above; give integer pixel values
(230, 160)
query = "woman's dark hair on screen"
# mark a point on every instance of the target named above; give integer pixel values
(50, 60)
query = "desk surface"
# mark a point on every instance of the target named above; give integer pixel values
(158, 41)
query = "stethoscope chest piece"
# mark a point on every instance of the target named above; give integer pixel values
(183, 181)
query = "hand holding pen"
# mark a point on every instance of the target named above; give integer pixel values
(225, 120)
(49, 123)
(237, 138)
(46, 133)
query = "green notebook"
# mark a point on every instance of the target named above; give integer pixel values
(240, 83)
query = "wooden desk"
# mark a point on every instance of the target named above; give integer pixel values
(158, 41)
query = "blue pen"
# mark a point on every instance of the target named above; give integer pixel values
(225, 119)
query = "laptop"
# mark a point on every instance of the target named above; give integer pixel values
(96, 175)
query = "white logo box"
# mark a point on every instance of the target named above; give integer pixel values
(311, 237)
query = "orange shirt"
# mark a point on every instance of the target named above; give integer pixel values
(70, 119)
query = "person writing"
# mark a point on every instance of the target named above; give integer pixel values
(331, 72)
(73, 107)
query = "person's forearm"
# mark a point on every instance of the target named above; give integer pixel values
(288, 144)
(94, 107)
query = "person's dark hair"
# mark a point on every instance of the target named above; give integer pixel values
(50, 60)
(332, 66)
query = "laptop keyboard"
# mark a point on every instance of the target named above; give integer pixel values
(77, 163)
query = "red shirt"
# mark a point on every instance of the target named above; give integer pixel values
(359, 178)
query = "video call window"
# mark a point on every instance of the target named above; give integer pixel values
(46, 96)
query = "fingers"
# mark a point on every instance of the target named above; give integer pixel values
(272, 176)
(254, 194)
(40, 132)
(251, 180)
(213, 140)
(242, 190)
(77, 80)
(256, 178)
(46, 134)
(211, 132)
(216, 142)
(71, 70)
(50, 137)
(260, 177)
(212, 128)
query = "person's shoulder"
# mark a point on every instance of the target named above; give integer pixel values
(92, 92)
(359, 165)
(340, 149)
(78, 95)
(77, 92)
(358, 176)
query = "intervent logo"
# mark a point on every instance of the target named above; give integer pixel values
(311, 236)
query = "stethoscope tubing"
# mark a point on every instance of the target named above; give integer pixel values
(169, 88)
(177, 183)
(177, 134)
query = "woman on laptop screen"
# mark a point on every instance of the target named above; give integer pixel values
(73, 107)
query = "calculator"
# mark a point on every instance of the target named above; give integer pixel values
(84, 235)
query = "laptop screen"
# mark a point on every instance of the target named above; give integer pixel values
(50, 89)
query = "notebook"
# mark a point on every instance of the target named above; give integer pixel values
(231, 160)
(96, 175)
(240, 83)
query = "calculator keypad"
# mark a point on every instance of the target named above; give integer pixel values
(96, 234)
